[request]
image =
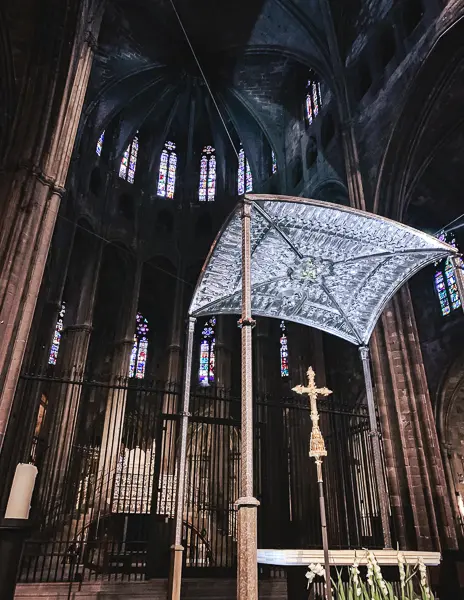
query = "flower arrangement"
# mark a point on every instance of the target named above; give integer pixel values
(412, 585)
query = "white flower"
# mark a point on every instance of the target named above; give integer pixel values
(314, 570)
(401, 562)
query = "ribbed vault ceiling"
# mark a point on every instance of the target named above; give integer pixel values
(252, 52)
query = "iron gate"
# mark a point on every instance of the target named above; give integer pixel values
(105, 497)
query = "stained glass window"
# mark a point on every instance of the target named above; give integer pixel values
(283, 351)
(445, 281)
(313, 100)
(99, 147)
(57, 336)
(244, 176)
(441, 291)
(167, 171)
(129, 161)
(274, 162)
(207, 350)
(138, 358)
(207, 187)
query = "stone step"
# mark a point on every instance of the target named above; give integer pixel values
(156, 589)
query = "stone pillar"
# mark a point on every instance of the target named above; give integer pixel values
(72, 357)
(117, 394)
(247, 572)
(376, 450)
(33, 194)
(223, 366)
(415, 474)
(175, 344)
(275, 511)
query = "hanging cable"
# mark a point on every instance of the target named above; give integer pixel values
(204, 77)
(448, 228)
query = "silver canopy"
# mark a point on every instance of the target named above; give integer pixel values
(320, 264)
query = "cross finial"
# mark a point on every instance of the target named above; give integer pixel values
(317, 446)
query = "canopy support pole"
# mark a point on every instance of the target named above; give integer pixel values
(459, 273)
(375, 437)
(175, 572)
(247, 504)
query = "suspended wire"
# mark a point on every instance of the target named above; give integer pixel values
(124, 250)
(448, 227)
(204, 77)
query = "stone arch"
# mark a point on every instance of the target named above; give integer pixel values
(413, 142)
(449, 417)
(332, 190)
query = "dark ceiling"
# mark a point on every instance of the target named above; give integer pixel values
(256, 55)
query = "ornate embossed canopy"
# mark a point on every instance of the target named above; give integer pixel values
(316, 263)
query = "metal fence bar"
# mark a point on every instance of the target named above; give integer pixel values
(116, 524)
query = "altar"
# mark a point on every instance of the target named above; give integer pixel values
(303, 558)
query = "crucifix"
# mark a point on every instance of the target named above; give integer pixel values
(317, 450)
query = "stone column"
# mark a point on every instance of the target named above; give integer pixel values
(223, 371)
(415, 474)
(175, 344)
(117, 395)
(33, 195)
(350, 147)
(376, 451)
(72, 357)
(275, 512)
(247, 573)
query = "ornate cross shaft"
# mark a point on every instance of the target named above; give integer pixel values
(316, 445)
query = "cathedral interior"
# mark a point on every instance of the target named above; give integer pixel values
(128, 133)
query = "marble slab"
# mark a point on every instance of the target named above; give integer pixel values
(343, 557)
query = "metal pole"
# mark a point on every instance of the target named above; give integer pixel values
(459, 274)
(325, 539)
(375, 437)
(247, 569)
(175, 574)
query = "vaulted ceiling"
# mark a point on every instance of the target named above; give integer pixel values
(256, 56)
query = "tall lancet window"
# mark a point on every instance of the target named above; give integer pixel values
(99, 147)
(244, 176)
(273, 162)
(445, 282)
(138, 359)
(313, 100)
(57, 336)
(129, 161)
(207, 358)
(283, 351)
(167, 172)
(207, 187)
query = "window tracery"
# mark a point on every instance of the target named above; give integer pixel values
(313, 100)
(167, 171)
(273, 162)
(445, 281)
(207, 187)
(57, 336)
(99, 147)
(244, 176)
(138, 358)
(207, 353)
(129, 161)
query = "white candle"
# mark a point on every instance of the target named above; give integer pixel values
(19, 502)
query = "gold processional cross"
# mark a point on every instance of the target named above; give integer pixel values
(317, 450)
(316, 444)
